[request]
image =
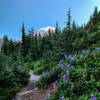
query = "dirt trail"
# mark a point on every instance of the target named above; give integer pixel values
(29, 88)
(30, 92)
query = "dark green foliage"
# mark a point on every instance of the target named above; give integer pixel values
(36, 46)
(10, 47)
(58, 46)
(5, 45)
(40, 67)
(68, 33)
(13, 76)
(23, 44)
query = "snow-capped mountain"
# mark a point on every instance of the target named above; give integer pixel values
(45, 30)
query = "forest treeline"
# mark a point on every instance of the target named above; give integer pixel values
(72, 38)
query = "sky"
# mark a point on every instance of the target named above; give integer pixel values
(41, 13)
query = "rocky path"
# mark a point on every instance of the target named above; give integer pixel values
(29, 88)
(30, 92)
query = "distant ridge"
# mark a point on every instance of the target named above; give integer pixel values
(1, 42)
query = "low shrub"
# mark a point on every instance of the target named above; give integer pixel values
(13, 76)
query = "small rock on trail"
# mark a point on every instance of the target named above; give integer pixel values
(33, 77)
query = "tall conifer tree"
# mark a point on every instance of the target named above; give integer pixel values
(68, 30)
(23, 41)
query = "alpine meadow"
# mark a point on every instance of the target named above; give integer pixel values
(52, 63)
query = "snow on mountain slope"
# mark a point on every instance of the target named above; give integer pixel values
(45, 30)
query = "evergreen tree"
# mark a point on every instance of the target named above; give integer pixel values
(5, 46)
(68, 33)
(90, 21)
(39, 37)
(86, 39)
(50, 47)
(29, 44)
(55, 41)
(11, 47)
(18, 47)
(39, 45)
(36, 46)
(74, 26)
(73, 31)
(58, 43)
(23, 41)
(95, 16)
(50, 34)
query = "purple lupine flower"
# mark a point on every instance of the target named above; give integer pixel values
(41, 76)
(76, 60)
(97, 48)
(72, 86)
(84, 75)
(94, 98)
(63, 98)
(72, 67)
(74, 55)
(44, 74)
(72, 59)
(64, 78)
(67, 74)
(65, 56)
(45, 98)
(81, 80)
(56, 82)
(53, 70)
(61, 65)
(70, 83)
(68, 65)
(48, 95)
(65, 64)
(69, 56)
(54, 85)
(81, 56)
(61, 61)
(58, 75)
(62, 68)
(93, 69)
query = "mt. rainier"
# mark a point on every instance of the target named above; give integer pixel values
(45, 30)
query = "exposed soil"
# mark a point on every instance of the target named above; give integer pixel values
(31, 93)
